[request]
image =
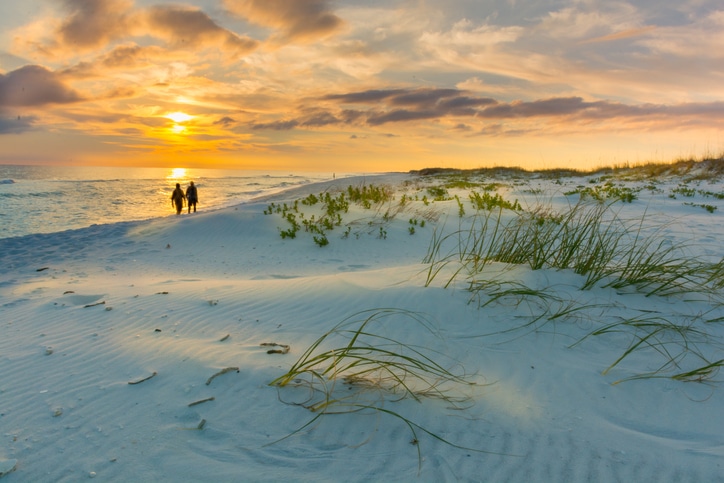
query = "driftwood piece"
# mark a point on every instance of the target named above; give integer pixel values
(222, 371)
(142, 380)
(284, 348)
(202, 401)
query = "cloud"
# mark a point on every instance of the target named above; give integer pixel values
(125, 58)
(189, 27)
(369, 96)
(298, 20)
(401, 115)
(225, 121)
(377, 107)
(276, 125)
(587, 20)
(313, 119)
(34, 85)
(11, 125)
(97, 25)
(624, 34)
(401, 105)
(92, 23)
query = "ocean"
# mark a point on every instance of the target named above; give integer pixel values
(47, 199)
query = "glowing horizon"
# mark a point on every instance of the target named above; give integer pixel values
(317, 85)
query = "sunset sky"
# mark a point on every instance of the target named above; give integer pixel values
(360, 86)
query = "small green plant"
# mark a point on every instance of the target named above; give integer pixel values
(461, 208)
(330, 214)
(684, 191)
(438, 193)
(310, 200)
(486, 201)
(288, 233)
(709, 208)
(321, 240)
(607, 191)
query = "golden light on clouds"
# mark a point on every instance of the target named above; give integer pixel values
(321, 85)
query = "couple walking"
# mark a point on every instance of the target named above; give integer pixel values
(178, 197)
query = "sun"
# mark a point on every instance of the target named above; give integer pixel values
(177, 173)
(179, 117)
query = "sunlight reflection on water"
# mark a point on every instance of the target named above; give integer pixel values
(45, 199)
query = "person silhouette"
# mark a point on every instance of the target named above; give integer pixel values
(192, 196)
(177, 198)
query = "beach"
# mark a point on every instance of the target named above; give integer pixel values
(152, 350)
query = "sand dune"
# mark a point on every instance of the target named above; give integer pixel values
(110, 334)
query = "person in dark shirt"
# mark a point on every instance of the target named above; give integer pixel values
(177, 198)
(192, 196)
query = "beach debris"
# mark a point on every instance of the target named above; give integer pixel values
(68, 291)
(226, 337)
(142, 380)
(157, 330)
(41, 269)
(6, 466)
(109, 308)
(221, 372)
(201, 424)
(168, 245)
(161, 293)
(213, 302)
(201, 401)
(57, 412)
(102, 302)
(284, 348)
(48, 350)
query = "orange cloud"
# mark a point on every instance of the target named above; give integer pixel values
(93, 23)
(625, 34)
(189, 27)
(299, 20)
(33, 85)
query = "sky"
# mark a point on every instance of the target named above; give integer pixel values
(360, 86)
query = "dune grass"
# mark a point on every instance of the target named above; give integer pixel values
(592, 240)
(589, 238)
(355, 367)
(674, 342)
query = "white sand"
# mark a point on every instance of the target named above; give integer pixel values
(115, 304)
